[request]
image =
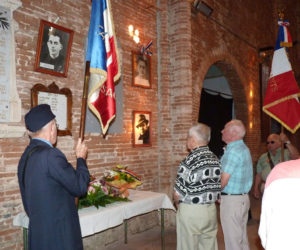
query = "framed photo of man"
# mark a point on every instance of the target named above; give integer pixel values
(53, 49)
(141, 70)
(141, 128)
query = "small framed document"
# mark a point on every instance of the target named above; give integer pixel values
(60, 102)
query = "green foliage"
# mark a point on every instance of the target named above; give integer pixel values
(98, 198)
(126, 177)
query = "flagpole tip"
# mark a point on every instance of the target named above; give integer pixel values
(281, 14)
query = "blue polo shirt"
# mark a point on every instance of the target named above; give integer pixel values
(237, 162)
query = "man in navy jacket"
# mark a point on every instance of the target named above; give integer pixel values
(49, 185)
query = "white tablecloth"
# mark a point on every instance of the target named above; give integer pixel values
(93, 220)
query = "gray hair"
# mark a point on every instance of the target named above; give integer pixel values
(237, 127)
(37, 133)
(200, 132)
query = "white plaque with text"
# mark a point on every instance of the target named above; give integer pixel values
(58, 104)
(5, 41)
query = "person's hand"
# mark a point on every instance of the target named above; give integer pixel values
(256, 194)
(81, 149)
(176, 200)
(283, 138)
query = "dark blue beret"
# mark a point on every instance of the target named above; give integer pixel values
(38, 117)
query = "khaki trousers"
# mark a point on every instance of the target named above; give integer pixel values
(234, 217)
(197, 227)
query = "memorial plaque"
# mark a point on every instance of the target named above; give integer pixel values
(5, 42)
(60, 102)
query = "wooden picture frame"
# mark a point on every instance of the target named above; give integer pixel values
(141, 128)
(60, 101)
(53, 49)
(141, 70)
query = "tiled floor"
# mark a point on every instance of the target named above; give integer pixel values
(151, 240)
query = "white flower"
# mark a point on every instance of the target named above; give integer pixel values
(110, 173)
(95, 183)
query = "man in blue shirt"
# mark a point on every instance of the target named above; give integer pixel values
(236, 182)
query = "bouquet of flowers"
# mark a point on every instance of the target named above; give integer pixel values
(99, 194)
(122, 179)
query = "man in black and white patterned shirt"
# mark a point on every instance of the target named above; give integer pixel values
(197, 188)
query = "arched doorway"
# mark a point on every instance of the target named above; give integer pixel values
(216, 106)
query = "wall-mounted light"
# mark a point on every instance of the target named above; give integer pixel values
(134, 33)
(203, 8)
(251, 125)
(250, 107)
(251, 93)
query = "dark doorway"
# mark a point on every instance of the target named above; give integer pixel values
(216, 107)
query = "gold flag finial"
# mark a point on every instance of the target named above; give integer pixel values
(281, 13)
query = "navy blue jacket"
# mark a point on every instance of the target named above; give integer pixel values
(48, 191)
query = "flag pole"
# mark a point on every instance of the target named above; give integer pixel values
(83, 107)
(282, 147)
(84, 100)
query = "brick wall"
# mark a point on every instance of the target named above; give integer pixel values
(185, 45)
(230, 39)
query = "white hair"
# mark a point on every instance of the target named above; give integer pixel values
(200, 132)
(37, 133)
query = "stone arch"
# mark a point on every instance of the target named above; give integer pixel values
(231, 70)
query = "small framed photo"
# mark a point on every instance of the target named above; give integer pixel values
(53, 49)
(141, 70)
(141, 128)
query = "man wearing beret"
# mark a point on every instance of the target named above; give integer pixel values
(49, 185)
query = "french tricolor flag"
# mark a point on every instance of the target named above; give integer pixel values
(281, 100)
(104, 63)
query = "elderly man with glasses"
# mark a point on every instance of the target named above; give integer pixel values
(271, 158)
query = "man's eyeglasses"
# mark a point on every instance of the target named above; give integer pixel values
(272, 142)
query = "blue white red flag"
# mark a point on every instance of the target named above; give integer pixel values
(104, 63)
(281, 100)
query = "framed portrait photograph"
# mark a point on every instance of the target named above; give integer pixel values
(141, 70)
(53, 49)
(141, 128)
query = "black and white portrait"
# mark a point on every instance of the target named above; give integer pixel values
(142, 125)
(53, 50)
(141, 70)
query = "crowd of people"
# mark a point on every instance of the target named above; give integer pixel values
(49, 185)
(202, 180)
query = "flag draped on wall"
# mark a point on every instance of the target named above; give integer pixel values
(281, 100)
(104, 63)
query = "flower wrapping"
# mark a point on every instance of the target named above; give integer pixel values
(98, 194)
(122, 179)
(110, 188)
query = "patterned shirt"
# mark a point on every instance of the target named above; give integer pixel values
(263, 166)
(237, 162)
(198, 178)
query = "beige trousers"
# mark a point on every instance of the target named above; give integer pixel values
(197, 227)
(234, 217)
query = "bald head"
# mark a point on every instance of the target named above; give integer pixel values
(273, 142)
(233, 131)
